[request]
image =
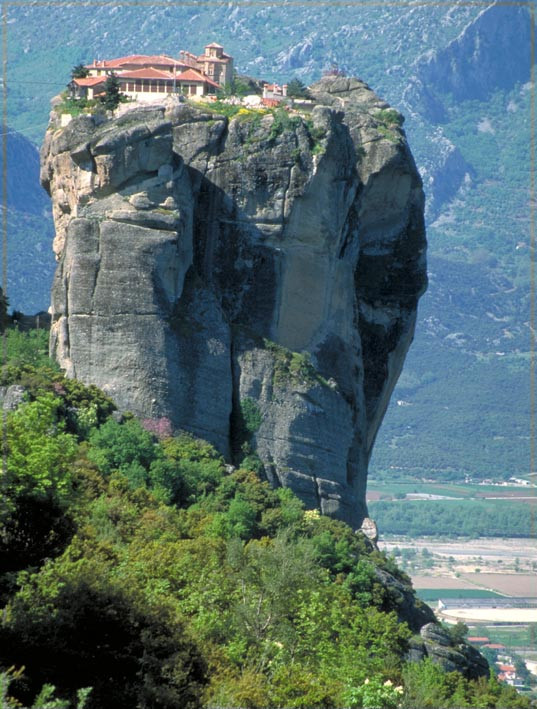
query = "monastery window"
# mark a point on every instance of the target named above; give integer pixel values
(138, 86)
(161, 87)
(130, 86)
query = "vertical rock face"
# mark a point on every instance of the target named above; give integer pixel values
(255, 280)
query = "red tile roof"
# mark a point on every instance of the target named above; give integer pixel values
(148, 73)
(477, 639)
(141, 59)
(506, 668)
(193, 75)
(495, 646)
(214, 44)
(90, 80)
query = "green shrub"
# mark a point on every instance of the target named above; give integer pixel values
(28, 348)
(78, 106)
(389, 116)
(282, 122)
(292, 366)
(126, 447)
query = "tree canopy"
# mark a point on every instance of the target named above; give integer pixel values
(112, 96)
(297, 89)
(79, 72)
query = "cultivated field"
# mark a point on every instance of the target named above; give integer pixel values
(469, 559)
(390, 490)
(447, 582)
(491, 615)
(524, 585)
(433, 594)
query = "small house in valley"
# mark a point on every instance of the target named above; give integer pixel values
(274, 92)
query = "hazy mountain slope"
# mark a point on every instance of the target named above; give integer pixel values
(29, 228)
(470, 144)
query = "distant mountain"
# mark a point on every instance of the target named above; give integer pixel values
(29, 257)
(24, 193)
(460, 75)
(493, 51)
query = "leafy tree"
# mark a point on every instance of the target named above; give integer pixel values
(84, 407)
(71, 628)
(521, 670)
(36, 529)
(375, 693)
(243, 85)
(287, 606)
(45, 699)
(457, 632)
(425, 685)
(188, 469)
(39, 451)
(28, 364)
(126, 447)
(36, 486)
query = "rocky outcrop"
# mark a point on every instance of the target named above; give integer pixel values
(436, 643)
(254, 280)
(11, 397)
(410, 609)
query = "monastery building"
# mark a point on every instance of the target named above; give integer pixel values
(145, 77)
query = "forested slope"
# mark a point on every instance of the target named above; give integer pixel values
(157, 576)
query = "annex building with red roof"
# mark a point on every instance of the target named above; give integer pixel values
(147, 77)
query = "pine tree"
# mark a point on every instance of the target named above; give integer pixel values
(79, 72)
(112, 94)
(297, 89)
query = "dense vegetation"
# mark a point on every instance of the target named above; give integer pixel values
(144, 569)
